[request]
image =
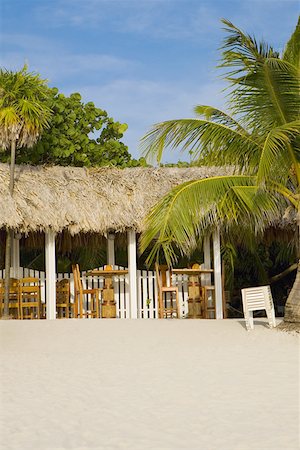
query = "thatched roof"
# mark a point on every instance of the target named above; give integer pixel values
(87, 200)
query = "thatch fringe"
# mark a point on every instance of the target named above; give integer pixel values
(95, 200)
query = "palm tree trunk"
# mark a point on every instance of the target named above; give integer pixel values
(9, 233)
(292, 306)
(7, 274)
(12, 167)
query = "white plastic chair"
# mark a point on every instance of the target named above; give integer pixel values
(255, 299)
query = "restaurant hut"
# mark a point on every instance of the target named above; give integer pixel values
(106, 201)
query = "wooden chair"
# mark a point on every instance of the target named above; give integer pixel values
(209, 302)
(208, 292)
(109, 310)
(30, 298)
(92, 303)
(64, 307)
(197, 296)
(167, 307)
(13, 305)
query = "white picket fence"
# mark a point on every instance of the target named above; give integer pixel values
(146, 290)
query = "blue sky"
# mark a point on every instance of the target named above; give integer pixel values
(143, 61)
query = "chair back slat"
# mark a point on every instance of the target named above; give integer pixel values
(29, 287)
(62, 291)
(64, 307)
(165, 311)
(30, 297)
(13, 304)
(92, 305)
(77, 280)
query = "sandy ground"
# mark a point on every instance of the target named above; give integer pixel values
(148, 384)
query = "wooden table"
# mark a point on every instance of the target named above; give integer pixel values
(108, 295)
(190, 272)
(107, 273)
(197, 300)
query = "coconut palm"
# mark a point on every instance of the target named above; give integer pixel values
(258, 138)
(23, 116)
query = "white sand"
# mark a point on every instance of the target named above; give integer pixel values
(148, 384)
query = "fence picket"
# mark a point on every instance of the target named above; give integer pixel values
(42, 278)
(144, 296)
(146, 290)
(151, 294)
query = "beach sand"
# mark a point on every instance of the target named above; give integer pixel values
(148, 384)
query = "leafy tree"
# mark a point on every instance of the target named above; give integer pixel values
(24, 114)
(80, 134)
(260, 138)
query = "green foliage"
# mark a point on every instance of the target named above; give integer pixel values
(292, 49)
(182, 164)
(80, 134)
(24, 111)
(259, 137)
(257, 266)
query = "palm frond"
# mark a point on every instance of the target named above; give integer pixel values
(25, 93)
(234, 146)
(229, 257)
(264, 89)
(216, 115)
(277, 155)
(241, 52)
(292, 49)
(189, 210)
(260, 136)
(268, 97)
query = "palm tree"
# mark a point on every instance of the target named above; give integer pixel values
(258, 139)
(23, 116)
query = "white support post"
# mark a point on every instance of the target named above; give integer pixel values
(206, 278)
(131, 236)
(218, 274)
(50, 274)
(111, 249)
(15, 257)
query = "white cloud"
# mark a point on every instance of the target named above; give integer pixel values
(141, 103)
(121, 85)
(42, 56)
(126, 95)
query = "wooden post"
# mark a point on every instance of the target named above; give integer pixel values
(132, 268)
(15, 256)
(111, 249)
(50, 274)
(218, 274)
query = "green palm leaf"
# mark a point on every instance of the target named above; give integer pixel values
(260, 137)
(197, 135)
(216, 115)
(292, 49)
(277, 155)
(241, 51)
(23, 110)
(192, 208)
